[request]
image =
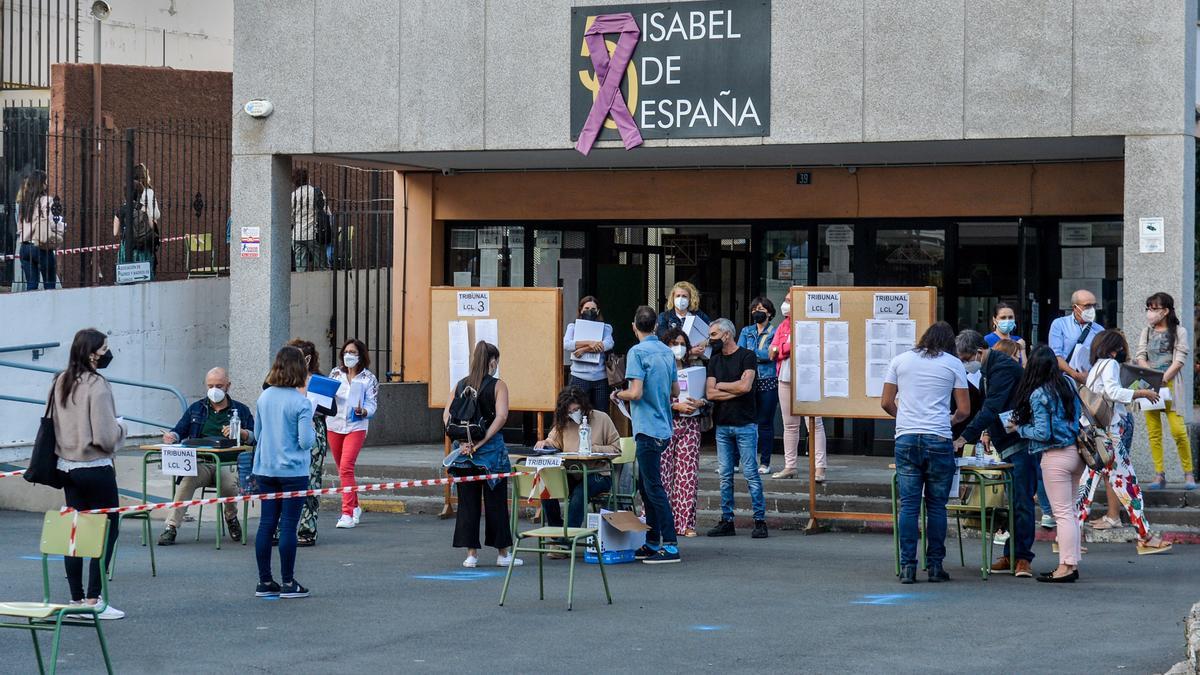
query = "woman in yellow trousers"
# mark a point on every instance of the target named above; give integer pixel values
(1163, 345)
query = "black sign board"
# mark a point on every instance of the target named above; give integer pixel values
(700, 69)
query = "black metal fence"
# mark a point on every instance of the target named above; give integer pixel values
(34, 34)
(183, 164)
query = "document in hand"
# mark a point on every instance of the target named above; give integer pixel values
(321, 391)
(355, 400)
(589, 331)
(1131, 373)
(697, 333)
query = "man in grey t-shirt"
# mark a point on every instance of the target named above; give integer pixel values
(917, 391)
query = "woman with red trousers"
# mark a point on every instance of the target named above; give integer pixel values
(357, 399)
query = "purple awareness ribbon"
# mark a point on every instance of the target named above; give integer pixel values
(609, 73)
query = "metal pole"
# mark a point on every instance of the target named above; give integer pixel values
(97, 87)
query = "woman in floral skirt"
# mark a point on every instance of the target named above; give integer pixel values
(681, 459)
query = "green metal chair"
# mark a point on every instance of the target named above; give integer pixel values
(143, 516)
(554, 483)
(626, 462)
(90, 533)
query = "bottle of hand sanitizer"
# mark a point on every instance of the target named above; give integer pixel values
(585, 437)
(235, 428)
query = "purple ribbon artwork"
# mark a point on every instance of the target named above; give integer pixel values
(609, 72)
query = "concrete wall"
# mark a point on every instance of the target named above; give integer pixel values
(843, 71)
(165, 332)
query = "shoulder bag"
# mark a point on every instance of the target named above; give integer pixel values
(43, 463)
(614, 369)
(1096, 405)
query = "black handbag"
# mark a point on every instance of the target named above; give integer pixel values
(43, 463)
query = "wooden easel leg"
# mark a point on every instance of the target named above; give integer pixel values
(447, 506)
(813, 527)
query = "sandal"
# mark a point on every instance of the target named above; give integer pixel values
(1159, 482)
(689, 533)
(820, 476)
(1153, 545)
(1104, 523)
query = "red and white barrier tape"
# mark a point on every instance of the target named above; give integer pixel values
(89, 249)
(9, 474)
(373, 487)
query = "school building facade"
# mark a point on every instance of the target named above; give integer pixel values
(1002, 151)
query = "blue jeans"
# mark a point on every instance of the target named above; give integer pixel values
(576, 509)
(654, 496)
(1026, 471)
(736, 445)
(767, 394)
(924, 470)
(38, 262)
(597, 392)
(1043, 498)
(281, 513)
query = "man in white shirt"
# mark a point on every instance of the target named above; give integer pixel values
(1071, 336)
(917, 391)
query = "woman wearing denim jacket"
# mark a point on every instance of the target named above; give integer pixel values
(1047, 417)
(1109, 351)
(757, 338)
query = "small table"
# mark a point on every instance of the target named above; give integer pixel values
(575, 463)
(220, 457)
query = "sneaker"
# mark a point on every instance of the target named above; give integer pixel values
(664, 555)
(503, 561)
(268, 589)
(1024, 570)
(167, 538)
(346, 522)
(760, 530)
(937, 574)
(764, 469)
(357, 515)
(723, 529)
(908, 574)
(82, 616)
(293, 589)
(645, 552)
(471, 561)
(1048, 521)
(233, 527)
(1000, 538)
(107, 611)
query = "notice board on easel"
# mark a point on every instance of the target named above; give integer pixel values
(842, 341)
(524, 323)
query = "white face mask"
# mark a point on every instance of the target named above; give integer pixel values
(679, 351)
(350, 360)
(1088, 315)
(786, 309)
(576, 416)
(682, 303)
(216, 394)
(972, 367)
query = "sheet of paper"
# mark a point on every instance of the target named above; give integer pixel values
(1072, 263)
(354, 399)
(489, 268)
(462, 279)
(822, 305)
(905, 331)
(891, 305)
(806, 384)
(1151, 238)
(837, 331)
(837, 351)
(697, 332)
(880, 351)
(837, 387)
(488, 330)
(878, 331)
(876, 370)
(807, 348)
(588, 331)
(1093, 263)
(836, 354)
(460, 352)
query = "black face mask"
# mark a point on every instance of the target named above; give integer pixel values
(716, 343)
(1121, 356)
(590, 314)
(758, 317)
(105, 359)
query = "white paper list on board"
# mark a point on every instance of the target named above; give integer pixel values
(460, 352)
(837, 387)
(807, 348)
(488, 330)
(876, 371)
(806, 383)
(837, 359)
(837, 331)
(878, 331)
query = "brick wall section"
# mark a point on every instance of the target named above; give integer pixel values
(136, 96)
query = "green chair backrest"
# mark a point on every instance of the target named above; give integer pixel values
(553, 479)
(628, 451)
(90, 530)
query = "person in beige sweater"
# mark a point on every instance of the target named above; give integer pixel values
(88, 433)
(573, 405)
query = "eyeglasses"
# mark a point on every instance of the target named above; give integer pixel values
(1088, 306)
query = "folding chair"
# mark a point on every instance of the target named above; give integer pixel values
(143, 516)
(90, 531)
(201, 247)
(549, 483)
(615, 499)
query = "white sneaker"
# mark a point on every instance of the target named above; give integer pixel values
(1048, 522)
(503, 561)
(109, 612)
(471, 561)
(357, 515)
(764, 469)
(1000, 538)
(346, 522)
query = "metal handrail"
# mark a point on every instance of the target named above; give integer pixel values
(183, 406)
(22, 399)
(33, 347)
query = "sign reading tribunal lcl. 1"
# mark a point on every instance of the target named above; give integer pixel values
(700, 69)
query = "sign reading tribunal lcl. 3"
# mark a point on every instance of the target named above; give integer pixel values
(700, 69)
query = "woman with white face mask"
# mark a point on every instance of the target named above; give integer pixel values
(357, 399)
(683, 301)
(781, 352)
(681, 460)
(572, 407)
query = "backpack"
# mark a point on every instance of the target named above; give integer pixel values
(145, 235)
(466, 416)
(325, 234)
(46, 230)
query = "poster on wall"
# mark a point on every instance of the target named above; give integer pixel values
(698, 69)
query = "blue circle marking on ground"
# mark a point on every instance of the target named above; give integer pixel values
(464, 575)
(703, 628)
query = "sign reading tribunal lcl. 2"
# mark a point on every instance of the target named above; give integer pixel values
(700, 69)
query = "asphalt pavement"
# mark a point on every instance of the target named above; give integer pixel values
(392, 596)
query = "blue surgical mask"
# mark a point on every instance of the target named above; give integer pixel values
(1006, 326)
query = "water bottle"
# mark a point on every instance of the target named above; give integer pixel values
(979, 459)
(585, 438)
(235, 428)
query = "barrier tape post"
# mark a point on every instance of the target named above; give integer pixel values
(373, 487)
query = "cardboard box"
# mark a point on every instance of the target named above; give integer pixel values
(619, 535)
